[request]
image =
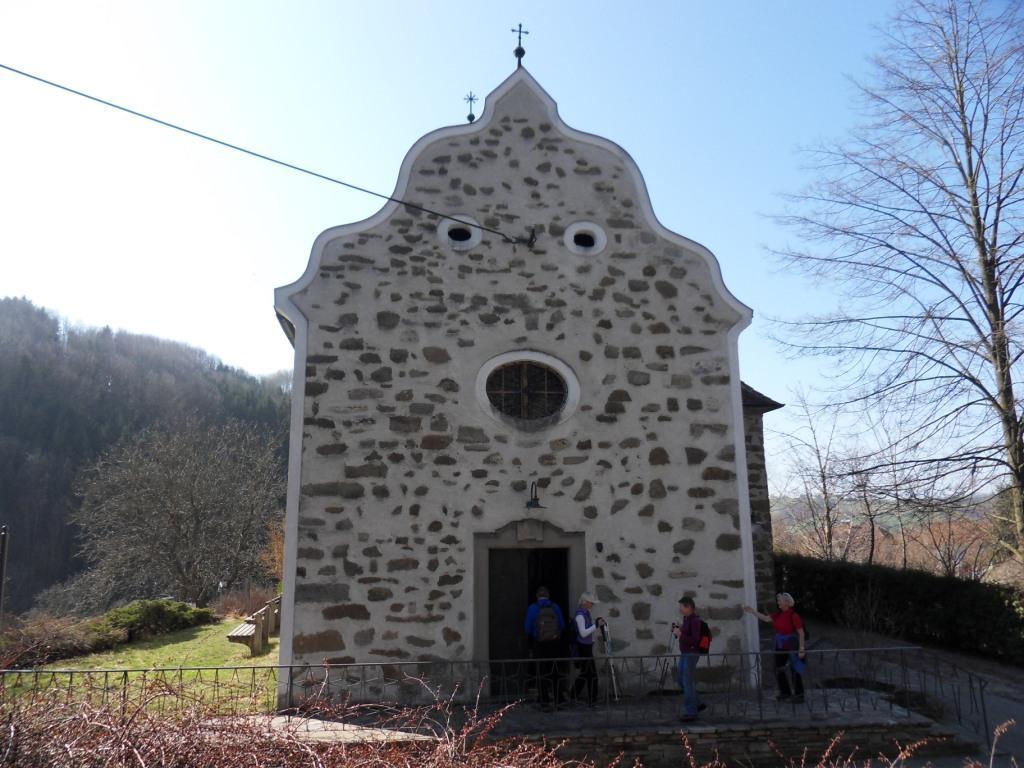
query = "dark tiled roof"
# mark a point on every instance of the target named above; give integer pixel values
(289, 329)
(754, 400)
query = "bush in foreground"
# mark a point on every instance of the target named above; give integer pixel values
(78, 734)
(160, 726)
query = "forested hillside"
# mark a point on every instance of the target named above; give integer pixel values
(66, 394)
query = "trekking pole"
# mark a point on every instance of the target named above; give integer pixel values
(607, 637)
(665, 663)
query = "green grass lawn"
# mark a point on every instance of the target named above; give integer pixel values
(205, 646)
(222, 688)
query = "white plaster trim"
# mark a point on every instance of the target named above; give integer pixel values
(291, 518)
(743, 493)
(475, 233)
(600, 238)
(572, 384)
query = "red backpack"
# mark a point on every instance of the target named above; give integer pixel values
(705, 637)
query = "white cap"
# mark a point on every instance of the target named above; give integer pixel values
(586, 597)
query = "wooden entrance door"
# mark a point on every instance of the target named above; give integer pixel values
(515, 575)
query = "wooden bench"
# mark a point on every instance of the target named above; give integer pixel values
(250, 632)
(257, 629)
(273, 609)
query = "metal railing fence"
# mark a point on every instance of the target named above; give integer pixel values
(629, 690)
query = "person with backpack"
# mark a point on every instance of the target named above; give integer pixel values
(583, 629)
(689, 635)
(544, 628)
(790, 646)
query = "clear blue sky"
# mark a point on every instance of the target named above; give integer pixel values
(109, 220)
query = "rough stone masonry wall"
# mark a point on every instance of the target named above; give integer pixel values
(400, 463)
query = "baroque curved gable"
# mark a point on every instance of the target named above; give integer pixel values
(511, 165)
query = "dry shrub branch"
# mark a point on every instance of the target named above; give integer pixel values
(50, 728)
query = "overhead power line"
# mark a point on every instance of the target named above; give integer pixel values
(252, 153)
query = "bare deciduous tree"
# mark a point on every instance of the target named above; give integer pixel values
(917, 220)
(272, 555)
(817, 520)
(870, 508)
(887, 483)
(953, 541)
(891, 480)
(180, 510)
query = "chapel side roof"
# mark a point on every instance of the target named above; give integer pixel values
(289, 328)
(755, 401)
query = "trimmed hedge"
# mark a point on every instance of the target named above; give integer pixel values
(45, 639)
(144, 618)
(974, 617)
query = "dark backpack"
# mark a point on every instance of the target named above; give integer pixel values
(574, 632)
(705, 637)
(546, 627)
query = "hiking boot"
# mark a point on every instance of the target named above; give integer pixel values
(784, 697)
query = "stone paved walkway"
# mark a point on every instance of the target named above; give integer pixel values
(313, 729)
(836, 707)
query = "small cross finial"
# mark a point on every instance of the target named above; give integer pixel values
(470, 99)
(520, 51)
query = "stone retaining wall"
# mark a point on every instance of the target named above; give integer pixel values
(758, 745)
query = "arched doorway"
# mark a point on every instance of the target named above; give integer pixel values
(509, 565)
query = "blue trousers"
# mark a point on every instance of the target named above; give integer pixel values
(685, 678)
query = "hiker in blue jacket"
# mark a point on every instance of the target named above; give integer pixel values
(545, 629)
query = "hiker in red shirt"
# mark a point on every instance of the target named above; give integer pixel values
(688, 634)
(789, 645)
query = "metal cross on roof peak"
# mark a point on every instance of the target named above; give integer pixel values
(470, 99)
(520, 51)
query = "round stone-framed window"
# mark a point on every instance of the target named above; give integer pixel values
(528, 390)
(460, 233)
(585, 238)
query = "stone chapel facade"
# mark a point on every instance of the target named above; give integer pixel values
(443, 373)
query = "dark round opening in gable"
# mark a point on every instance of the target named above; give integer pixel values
(584, 240)
(459, 234)
(526, 390)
